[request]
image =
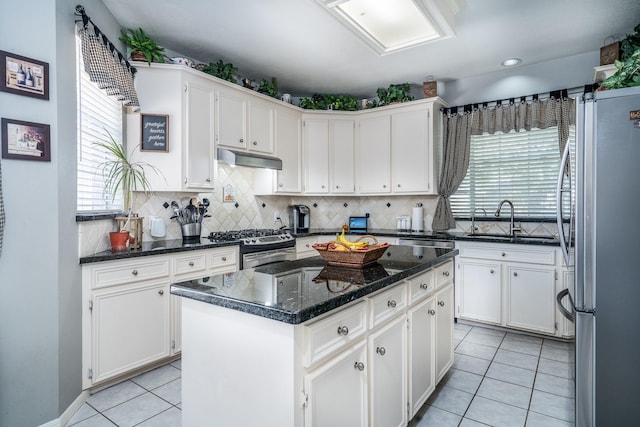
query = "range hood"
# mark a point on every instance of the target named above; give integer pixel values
(252, 160)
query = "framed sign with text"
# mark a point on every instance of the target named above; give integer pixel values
(154, 132)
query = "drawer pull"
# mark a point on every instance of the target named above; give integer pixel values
(241, 139)
(491, 271)
(441, 303)
(381, 351)
(515, 274)
(424, 286)
(359, 366)
(432, 312)
(504, 254)
(161, 292)
(445, 273)
(134, 272)
(343, 330)
(391, 303)
(224, 258)
(191, 264)
(255, 142)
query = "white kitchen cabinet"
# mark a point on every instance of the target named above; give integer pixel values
(422, 338)
(261, 126)
(316, 155)
(388, 374)
(199, 134)
(130, 327)
(373, 154)
(480, 291)
(510, 285)
(531, 298)
(129, 318)
(444, 330)
(342, 156)
(231, 119)
(288, 128)
(336, 392)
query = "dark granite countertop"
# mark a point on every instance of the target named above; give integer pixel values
(461, 236)
(296, 291)
(154, 248)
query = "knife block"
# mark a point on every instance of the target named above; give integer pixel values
(134, 227)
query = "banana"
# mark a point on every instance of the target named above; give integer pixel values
(342, 239)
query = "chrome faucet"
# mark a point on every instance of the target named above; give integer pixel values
(473, 219)
(512, 228)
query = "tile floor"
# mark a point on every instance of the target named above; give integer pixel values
(498, 379)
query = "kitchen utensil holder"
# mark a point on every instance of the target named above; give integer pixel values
(191, 232)
(134, 227)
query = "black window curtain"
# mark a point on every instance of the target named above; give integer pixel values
(104, 64)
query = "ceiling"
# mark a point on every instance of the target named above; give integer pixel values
(309, 51)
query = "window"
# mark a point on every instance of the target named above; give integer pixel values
(97, 114)
(520, 166)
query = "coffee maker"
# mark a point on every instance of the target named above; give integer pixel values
(299, 218)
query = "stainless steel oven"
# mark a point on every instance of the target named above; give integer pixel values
(260, 246)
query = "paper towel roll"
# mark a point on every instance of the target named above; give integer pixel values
(417, 223)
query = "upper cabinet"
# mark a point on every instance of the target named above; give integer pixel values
(373, 154)
(261, 126)
(231, 119)
(288, 124)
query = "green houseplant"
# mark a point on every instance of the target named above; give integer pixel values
(269, 88)
(221, 70)
(630, 44)
(394, 93)
(626, 75)
(142, 46)
(329, 102)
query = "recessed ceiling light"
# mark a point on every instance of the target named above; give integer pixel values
(511, 62)
(391, 25)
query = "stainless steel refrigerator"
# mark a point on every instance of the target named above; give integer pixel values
(605, 256)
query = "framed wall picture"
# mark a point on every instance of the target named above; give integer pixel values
(154, 132)
(25, 140)
(23, 76)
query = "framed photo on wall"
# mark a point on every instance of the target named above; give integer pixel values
(25, 140)
(24, 76)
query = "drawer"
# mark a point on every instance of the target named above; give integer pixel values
(194, 263)
(420, 286)
(514, 253)
(327, 336)
(444, 273)
(122, 272)
(388, 304)
(223, 260)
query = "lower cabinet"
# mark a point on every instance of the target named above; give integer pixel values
(130, 319)
(131, 328)
(444, 331)
(337, 391)
(422, 336)
(511, 286)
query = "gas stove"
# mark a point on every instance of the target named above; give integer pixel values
(254, 236)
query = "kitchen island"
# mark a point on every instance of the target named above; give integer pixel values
(300, 343)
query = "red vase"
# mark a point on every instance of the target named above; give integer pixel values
(119, 240)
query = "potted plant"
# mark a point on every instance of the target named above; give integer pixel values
(221, 70)
(121, 174)
(143, 48)
(394, 93)
(626, 75)
(329, 102)
(269, 88)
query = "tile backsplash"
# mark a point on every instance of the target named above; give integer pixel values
(252, 211)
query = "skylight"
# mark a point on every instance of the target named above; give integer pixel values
(391, 25)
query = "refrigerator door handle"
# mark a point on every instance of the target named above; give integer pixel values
(571, 315)
(565, 241)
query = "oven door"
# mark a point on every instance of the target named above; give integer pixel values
(256, 259)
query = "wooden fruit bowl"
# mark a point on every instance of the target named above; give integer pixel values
(335, 253)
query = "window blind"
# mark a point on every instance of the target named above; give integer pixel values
(520, 166)
(97, 114)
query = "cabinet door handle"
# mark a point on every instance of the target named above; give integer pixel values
(255, 143)
(384, 185)
(504, 254)
(208, 179)
(224, 258)
(441, 303)
(337, 186)
(343, 330)
(191, 264)
(185, 180)
(381, 351)
(424, 286)
(241, 139)
(398, 185)
(432, 312)
(134, 272)
(491, 271)
(445, 273)
(515, 274)
(391, 303)
(308, 245)
(161, 292)
(359, 366)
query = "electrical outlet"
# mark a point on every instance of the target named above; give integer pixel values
(276, 216)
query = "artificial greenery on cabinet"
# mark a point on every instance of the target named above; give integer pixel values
(222, 70)
(329, 102)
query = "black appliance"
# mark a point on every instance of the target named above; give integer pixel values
(259, 246)
(299, 218)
